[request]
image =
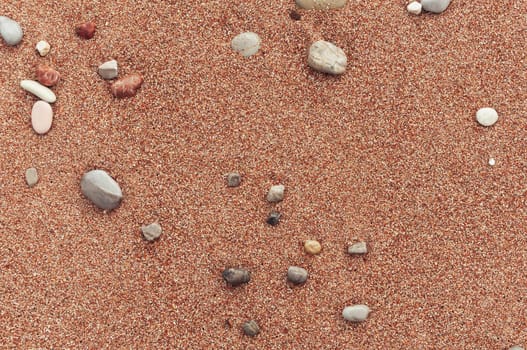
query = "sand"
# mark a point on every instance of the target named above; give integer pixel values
(389, 153)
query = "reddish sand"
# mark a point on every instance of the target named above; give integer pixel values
(389, 152)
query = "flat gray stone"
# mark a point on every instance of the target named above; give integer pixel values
(247, 44)
(297, 275)
(101, 189)
(356, 313)
(31, 177)
(435, 6)
(10, 31)
(326, 57)
(358, 248)
(151, 232)
(109, 70)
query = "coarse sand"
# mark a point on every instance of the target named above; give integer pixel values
(389, 153)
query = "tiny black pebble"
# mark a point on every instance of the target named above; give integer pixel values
(274, 218)
(295, 16)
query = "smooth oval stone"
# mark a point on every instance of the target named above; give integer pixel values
(10, 31)
(296, 275)
(321, 4)
(312, 247)
(325, 57)
(414, 8)
(101, 189)
(41, 117)
(516, 347)
(356, 313)
(31, 177)
(247, 43)
(487, 116)
(276, 193)
(151, 232)
(108, 70)
(435, 6)
(38, 90)
(236, 276)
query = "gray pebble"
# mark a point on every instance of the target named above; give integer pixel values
(233, 179)
(251, 328)
(101, 189)
(358, 248)
(325, 57)
(108, 70)
(356, 313)
(435, 6)
(276, 193)
(236, 276)
(296, 275)
(247, 44)
(31, 177)
(10, 31)
(274, 218)
(151, 232)
(321, 4)
(516, 347)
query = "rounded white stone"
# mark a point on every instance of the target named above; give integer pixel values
(247, 44)
(10, 31)
(487, 116)
(356, 313)
(43, 48)
(41, 117)
(435, 6)
(516, 347)
(320, 4)
(38, 90)
(151, 232)
(31, 177)
(414, 8)
(101, 189)
(325, 57)
(108, 70)
(492, 162)
(276, 193)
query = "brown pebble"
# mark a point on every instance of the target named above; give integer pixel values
(297, 275)
(295, 16)
(86, 30)
(127, 86)
(251, 328)
(312, 247)
(47, 76)
(233, 179)
(236, 276)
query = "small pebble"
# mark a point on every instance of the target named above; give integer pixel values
(296, 275)
(251, 328)
(358, 248)
(492, 162)
(321, 4)
(108, 70)
(356, 313)
(10, 31)
(276, 193)
(86, 30)
(43, 48)
(151, 232)
(234, 179)
(127, 86)
(47, 76)
(31, 177)
(247, 44)
(414, 8)
(312, 247)
(487, 116)
(325, 57)
(38, 90)
(41, 117)
(516, 347)
(274, 218)
(236, 276)
(435, 6)
(101, 189)
(295, 16)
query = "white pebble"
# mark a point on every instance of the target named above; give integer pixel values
(516, 347)
(276, 193)
(321, 4)
(31, 177)
(10, 31)
(414, 8)
(325, 57)
(38, 90)
(247, 44)
(356, 313)
(492, 162)
(151, 232)
(435, 6)
(108, 70)
(43, 48)
(358, 248)
(41, 117)
(487, 116)
(101, 189)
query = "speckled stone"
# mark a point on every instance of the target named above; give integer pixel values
(236, 276)
(435, 6)
(358, 248)
(31, 177)
(326, 57)
(234, 179)
(276, 193)
(10, 31)
(297, 275)
(151, 232)
(251, 328)
(356, 313)
(247, 44)
(312, 247)
(101, 189)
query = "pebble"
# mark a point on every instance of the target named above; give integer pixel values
(516, 347)
(321, 4)
(312, 247)
(492, 161)
(236, 276)
(356, 313)
(101, 189)
(251, 328)
(38, 90)
(274, 218)
(86, 30)
(247, 44)
(414, 8)
(276, 193)
(325, 57)
(127, 86)
(487, 116)
(151, 232)
(233, 179)
(10, 31)
(41, 117)
(435, 6)
(358, 248)
(108, 70)
(47, 76)
(296, 275)
(31, 177)
(295, 16)
(43, 48)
